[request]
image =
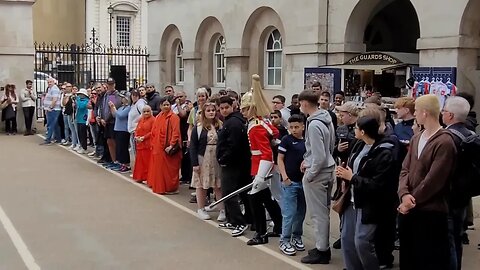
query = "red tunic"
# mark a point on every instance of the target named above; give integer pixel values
(144, 148)
(260, 135)
(164, 173)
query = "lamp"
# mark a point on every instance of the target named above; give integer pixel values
(110, 11)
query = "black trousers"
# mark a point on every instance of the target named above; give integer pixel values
(385, 237)
(122, 141)
(82, 135)
(11, 125)
(424, 241)
(28, 113)
(258, 203)
(62, 126)
(186, 165)
(230, 182)
(103, 141)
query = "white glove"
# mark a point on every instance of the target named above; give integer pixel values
(259, 183)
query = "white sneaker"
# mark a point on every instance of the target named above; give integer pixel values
(81, 151)
(63, 141)
(202, 214)
(72, 146)
(76, 149)
(91, 154)
(222, 217)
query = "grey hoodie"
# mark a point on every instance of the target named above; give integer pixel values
(320, 143)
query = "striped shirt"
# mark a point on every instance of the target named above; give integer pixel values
(53, 92)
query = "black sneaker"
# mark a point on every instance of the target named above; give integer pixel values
(316, 256)
(337, 244)
(239, 230)
(298, 244)
(258, 240)
(465, 239)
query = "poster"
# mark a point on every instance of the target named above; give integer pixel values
(440, 81)
(329, 78)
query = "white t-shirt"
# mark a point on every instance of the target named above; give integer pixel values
(423, 142)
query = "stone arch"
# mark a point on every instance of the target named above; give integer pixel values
(469, 63)
(259, 25)
(207, 34)
(125, 6)
(171, 37)
(372, 22)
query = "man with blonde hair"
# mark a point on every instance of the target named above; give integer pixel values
(423, 190)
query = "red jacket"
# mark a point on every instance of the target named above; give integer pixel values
(260, 135)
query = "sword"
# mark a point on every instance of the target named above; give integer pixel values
(233, 194)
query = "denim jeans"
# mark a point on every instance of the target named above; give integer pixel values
(72, 125)
(53, 130)
(456, 218)
(66, 128)
(293, 211)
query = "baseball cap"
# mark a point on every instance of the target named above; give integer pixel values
(110, 81)
(350, 107)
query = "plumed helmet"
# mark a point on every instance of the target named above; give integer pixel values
(255, 99)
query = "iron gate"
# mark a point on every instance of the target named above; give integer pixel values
(91, 62)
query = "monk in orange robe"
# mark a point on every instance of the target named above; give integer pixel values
(143, 145)
(164, 172)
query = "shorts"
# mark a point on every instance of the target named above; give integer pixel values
(109, 133)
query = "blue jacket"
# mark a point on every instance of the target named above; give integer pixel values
(82, 111)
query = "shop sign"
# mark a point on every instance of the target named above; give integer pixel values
(373, 58)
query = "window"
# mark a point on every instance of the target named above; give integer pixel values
(123, 31)
(219, 61)
(274, 59)
(179, 69)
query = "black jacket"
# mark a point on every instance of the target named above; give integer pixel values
(471, 122)
(153, 100)
(458, 198)
(233, 148)
(375, 190)
(345, 133)
(198, 145)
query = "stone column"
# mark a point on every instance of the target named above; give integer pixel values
(16, 47)
(237, 76)
(192, 69)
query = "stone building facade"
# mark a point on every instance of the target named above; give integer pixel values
(221, 43)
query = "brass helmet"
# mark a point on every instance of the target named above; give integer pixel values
(255, 99)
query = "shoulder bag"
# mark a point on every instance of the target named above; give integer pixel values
(176, 146)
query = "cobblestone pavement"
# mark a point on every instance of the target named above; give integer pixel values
(72, 214)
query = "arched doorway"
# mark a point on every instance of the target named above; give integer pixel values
(389, 31)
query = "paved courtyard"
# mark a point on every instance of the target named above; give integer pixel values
(59, 210)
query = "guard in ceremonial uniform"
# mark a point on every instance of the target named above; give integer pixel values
(260, 134)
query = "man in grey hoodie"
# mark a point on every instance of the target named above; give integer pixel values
(319, 167)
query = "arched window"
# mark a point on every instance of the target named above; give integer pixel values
(274, 59)
(179, 70)
(219, 62)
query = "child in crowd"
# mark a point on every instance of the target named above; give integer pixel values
(290, 157)
(276, 118)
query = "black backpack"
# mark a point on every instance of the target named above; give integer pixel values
(470, 149)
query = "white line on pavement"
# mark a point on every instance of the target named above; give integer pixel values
(191, 212)
(18, 242)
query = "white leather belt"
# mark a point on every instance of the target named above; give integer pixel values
(256, 152)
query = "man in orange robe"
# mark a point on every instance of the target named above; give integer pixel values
(163, 176)
(143, 145)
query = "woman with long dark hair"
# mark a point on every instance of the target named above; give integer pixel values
(366, 183)
(9, 103)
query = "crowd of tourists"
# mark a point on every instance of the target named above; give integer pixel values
(395, 182)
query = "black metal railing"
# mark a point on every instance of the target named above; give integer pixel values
(82, 64)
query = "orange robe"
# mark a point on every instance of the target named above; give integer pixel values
(164, 172)
(144, 149)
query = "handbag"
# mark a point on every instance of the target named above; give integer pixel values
(176, 147)
(9, 113)
(338, 204)
(4, 104)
